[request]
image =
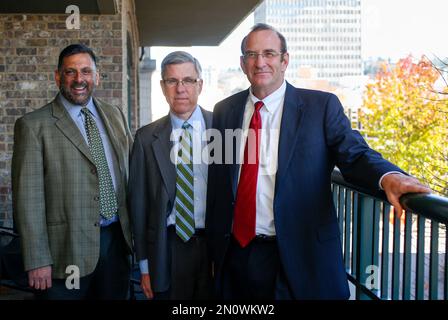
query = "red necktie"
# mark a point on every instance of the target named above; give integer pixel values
(245, 206)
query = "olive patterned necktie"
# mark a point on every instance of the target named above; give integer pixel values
(108, 198)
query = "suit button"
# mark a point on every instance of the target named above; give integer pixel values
(96, 224)
(93, 170)
(96, 198)
(227, 235)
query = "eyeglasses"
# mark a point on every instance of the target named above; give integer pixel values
(186, 82)
(268, 55)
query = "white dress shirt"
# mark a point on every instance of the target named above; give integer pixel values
(271, 118)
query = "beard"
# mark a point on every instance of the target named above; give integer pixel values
(77, 98)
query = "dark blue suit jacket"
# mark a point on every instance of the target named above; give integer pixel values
(315, 136)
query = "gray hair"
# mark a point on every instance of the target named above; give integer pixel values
(178, 57)
(261, 27)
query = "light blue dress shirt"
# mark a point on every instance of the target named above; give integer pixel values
(78, 117)
(200, 171)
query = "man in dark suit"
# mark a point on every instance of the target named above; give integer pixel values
(69, 174)
(271, 221)
(168, 185)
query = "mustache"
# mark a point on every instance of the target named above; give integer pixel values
(82, 84)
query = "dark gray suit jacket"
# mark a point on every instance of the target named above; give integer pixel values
(152, 189)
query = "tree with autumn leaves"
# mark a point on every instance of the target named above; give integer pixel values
(404, 116)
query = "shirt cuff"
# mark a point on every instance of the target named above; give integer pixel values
(387, 173)
(143, 264)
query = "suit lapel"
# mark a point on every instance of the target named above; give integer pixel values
(235, 121)
(208, 118)
(289, 130)
(69, 128)
(112, 124)
(161, 148)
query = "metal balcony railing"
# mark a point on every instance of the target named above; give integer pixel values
(391, 257)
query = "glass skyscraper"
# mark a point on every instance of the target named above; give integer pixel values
(323, 35)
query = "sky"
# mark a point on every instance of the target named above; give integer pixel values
(390, 29)
(226, 54)
(396, 28)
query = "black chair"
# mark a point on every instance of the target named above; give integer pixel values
(12, 273)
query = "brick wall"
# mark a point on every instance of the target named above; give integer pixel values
(130, 57)
(29, 49)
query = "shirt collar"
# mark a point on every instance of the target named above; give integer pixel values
(195, 120)
(272, 101)
(75, 109)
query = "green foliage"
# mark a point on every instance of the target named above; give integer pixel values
(405, 118)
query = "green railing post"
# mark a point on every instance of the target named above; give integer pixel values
(342, 213)
(396, 257)
(355, 232)
(366, 233)
(375, 227)
(407, 259)
(365, 243)
(434, 262)
(348, 229)
(420, 265)
(445, 273)
(385, 288)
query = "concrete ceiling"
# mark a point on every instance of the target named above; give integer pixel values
(160, 22)
(189, 22)
(57, 7)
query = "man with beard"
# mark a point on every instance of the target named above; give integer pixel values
(69, 174)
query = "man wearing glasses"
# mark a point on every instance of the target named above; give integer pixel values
(168, 185)
(271, 222)
(69, 175)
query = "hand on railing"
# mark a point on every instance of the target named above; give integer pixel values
(395, 185)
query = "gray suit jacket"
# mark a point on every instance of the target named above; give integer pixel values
(55, 187)
(152, 189)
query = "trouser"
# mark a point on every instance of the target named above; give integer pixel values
(109, 280)
(255, 271)
(190, 268)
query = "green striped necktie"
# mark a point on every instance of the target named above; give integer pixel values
(184, 203)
